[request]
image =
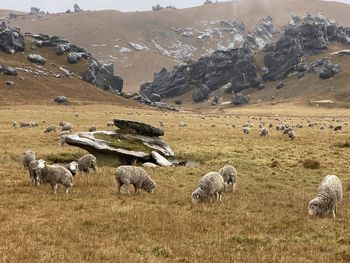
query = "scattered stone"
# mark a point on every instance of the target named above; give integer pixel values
(280, 85)
(239, 99)
(8, 71)
(61, 100)
(37, 59)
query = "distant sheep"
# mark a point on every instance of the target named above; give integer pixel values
(264, 132)
(49, 129)
(280, 127)
(28, 156)
(229, 174)
(87, 162)
(246, 130)
(211, 184)
(291, 135)
(329, 193)
(137, 176)
(55, 175)
(67, 127)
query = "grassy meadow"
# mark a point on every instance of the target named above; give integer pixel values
(265, 220)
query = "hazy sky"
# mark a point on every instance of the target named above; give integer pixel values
(124, 5)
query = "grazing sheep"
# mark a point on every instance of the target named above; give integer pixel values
(287, 130)
(280, 127)
(54, 175)
(137, 176)
(209, 185)
(92, 128)
(87, 162)
(28, 156)
(291, 135)
(264, 132)
(51, 128)
(67, 127)
(110, 124)
(329, 193)
(33, 165)
(229, 174)
(246, 130)
(72, 167)
(338, 128)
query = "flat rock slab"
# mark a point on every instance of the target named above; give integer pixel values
(161, 160)
(138, 128)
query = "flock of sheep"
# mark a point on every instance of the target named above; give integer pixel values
(212, 184)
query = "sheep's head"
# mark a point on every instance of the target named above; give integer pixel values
(73, 168)
(315, 207)
(149, 186)
(196, 196)
(40, 167)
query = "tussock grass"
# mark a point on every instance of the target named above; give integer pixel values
(265, 220)
(311, 164)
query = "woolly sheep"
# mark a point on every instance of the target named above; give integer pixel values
(28, 156)
(229, 174)
(280, 127)
(49, 129)
(67, 127)
(137, 176)
(61, 139)
(264, 132)
(211, 184)
(246, 130)
(287, 130)
(291, 135)
(54, 175)
(72, 167)
(33, 165)
(329, 193)
(87, 162)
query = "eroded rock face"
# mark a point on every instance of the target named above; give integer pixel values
(214, 71)
(11, 39)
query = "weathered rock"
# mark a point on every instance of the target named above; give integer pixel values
(8, 71)
(160, 159)
(77, 9)
(37, 59)
(200, 94)
(11, 39)
(61, 100)
(150, 165)
(138, 128)
(215, 101)
(239, 99)
(280, 85)
(75, 57)
(328, 70)
(178, 102)
(62, 48)
(9, 83)
(155, 97)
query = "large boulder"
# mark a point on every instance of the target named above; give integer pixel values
(8, 71)
(36, 59)
(239, 99)
(11, 39)
(138, 128)
(75, 57)
(328, 70)
(200, 94)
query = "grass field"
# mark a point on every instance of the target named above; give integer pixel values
(265, 220)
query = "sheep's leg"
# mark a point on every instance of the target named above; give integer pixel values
(234, 187)
(136, 189)
(54, 188)
(67, 189)
(118, 186)
(126, 187)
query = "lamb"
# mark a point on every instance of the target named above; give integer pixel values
(72, 167)
(28, 156)
(229, 174)
(67, 127)
(49, 129)
(209, 185)
(329, 193)
(92, 128)
(33, 165)
(54, 175)
(87, 162)
(264, 132)
(137, 176)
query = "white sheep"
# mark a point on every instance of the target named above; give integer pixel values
(73, 167)
(209, 185)
(33, 165)
(49, 129)
(137, 176)
(67, 127)
(87, 162)
(291, 135)
(229, 174)
(54, 175)
(264, 132)
(329, 193)
(28, 156)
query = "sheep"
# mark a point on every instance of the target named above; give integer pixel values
(329, 193)
(209, 185)
(55, 175)
(61, 123)
(67, 127)
(61, 140)
(291, 135)
(110, 124)
(28, 156)
(72, 167)
(92, 128)
(264, 132)
(33, 165)
(246, 130)
(280, 127)
(229, 174)
(338, 128)
(49, 129)
(286, 130)
(87, 162)
(137, 176)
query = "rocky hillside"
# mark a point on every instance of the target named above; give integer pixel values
(39, 68)
(142, 43)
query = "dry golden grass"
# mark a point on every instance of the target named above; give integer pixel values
(264, 221)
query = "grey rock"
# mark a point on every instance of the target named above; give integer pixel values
(75, 57)
(9, 83)
(239, 99)
(160, 159)
(138, 128)
(200, 94)
(11, 39)
(61, 100)
(37, 59)
(8, 71)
